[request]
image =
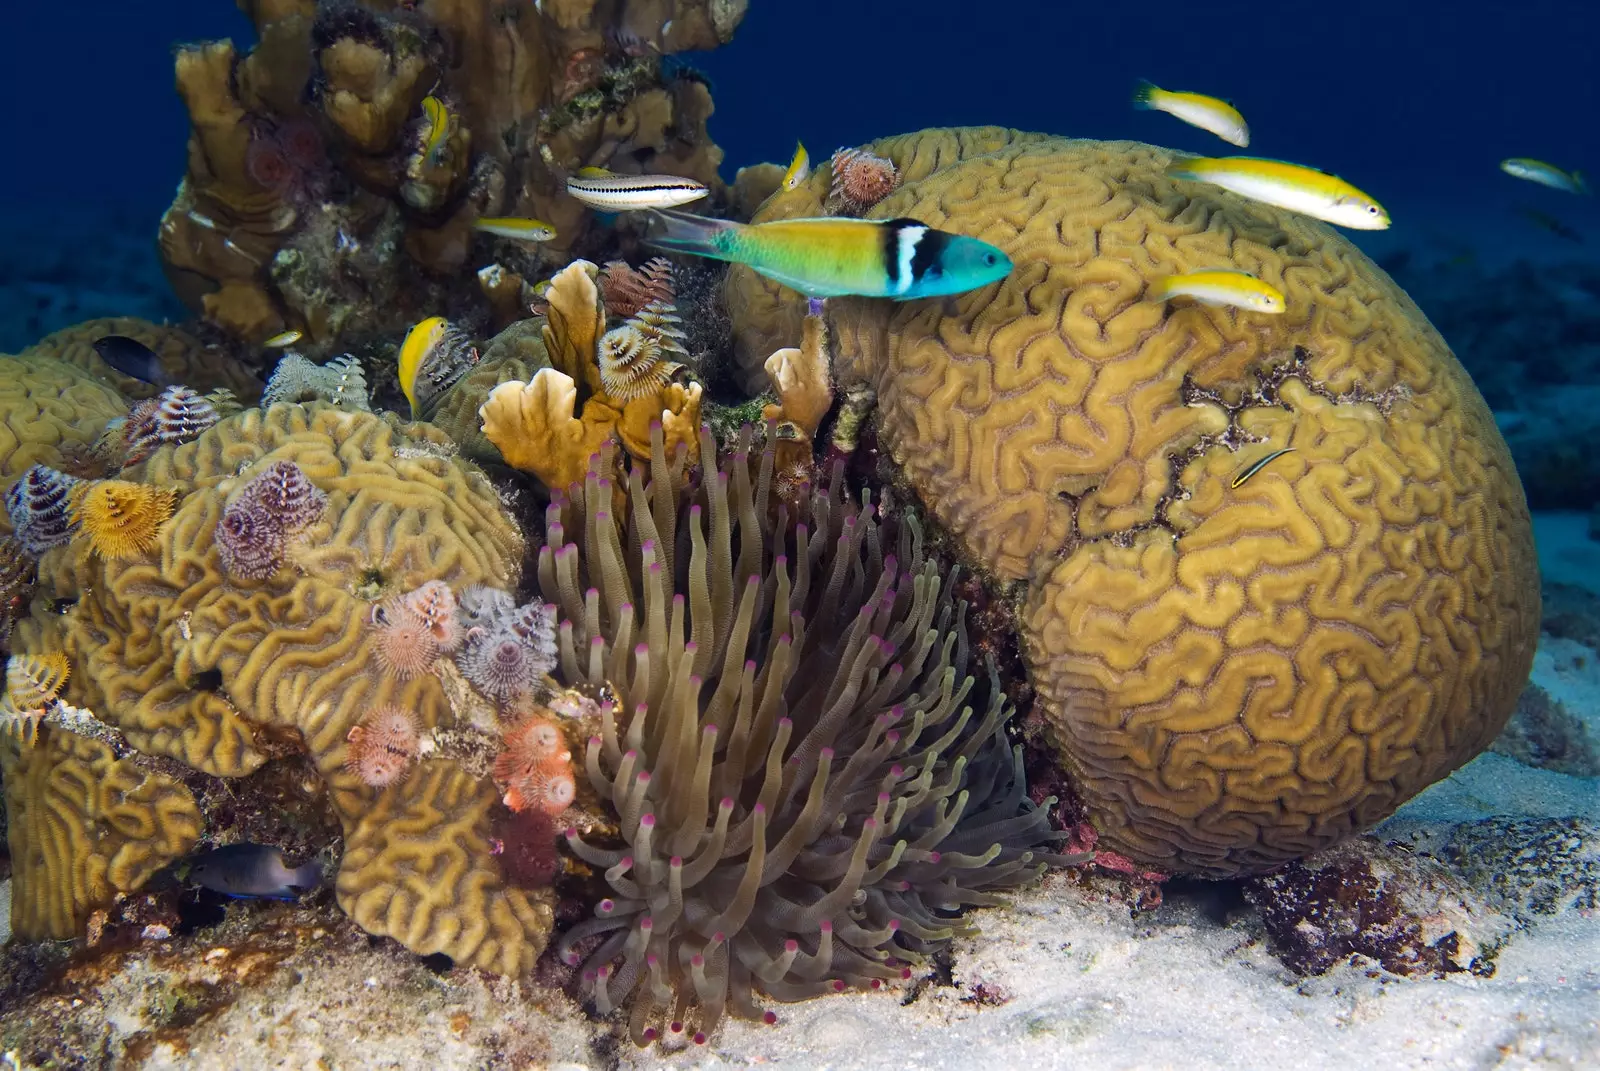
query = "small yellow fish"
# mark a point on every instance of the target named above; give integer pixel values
(799, 168)
(1208, 113)
(1545, 174)
(283, 340)
(626, 193)
(419, 343)
(1220, 287)
(1299, 189)
(439, 123)
(525, 230)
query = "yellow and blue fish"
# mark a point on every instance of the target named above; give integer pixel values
(900, 259)
(1299, 189)
(799, 168)
(516, 227)
(1544, 174)
(608, 192)
(1219, 287)
(1210, 114)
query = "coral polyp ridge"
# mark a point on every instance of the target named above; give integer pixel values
(808, 786)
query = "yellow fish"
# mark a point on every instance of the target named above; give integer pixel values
(419, 344)
(799, 168)
(1545, 174)
(526, 230)
(1220, 287)
(439, 123)
(1208, 113)
(282, 340)
(1299, 189)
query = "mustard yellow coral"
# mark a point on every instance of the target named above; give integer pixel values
(49, 411)
(84, 825)
(121, 519)
(1234, 675)
(185, 359)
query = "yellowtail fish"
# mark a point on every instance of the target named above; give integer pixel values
(439, 122)
(834, 257)
(283, 340)
(799, 168)
(609, 192)
(1208, 113)
(525, 230)
(1299, 189)
(1257, 465)
(1220, 287)
(1545, 174)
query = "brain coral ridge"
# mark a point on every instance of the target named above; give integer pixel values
(1236, 675)
(192, 664)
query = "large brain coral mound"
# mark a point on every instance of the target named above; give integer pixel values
(49, 412)
(321, 195)
(184, 358)
(82, 826)
(808, 785)
(214, 670)
(1236, 675)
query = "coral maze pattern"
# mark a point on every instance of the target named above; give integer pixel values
(1235, 675)
(191, 663)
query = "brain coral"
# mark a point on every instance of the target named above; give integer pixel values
(84, 825)
(185, 359)
(48, 410)
(196, 665)
(1235, 675)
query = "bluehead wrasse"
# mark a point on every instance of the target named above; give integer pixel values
(799, 168)
(1220, 287)
(253, 870)
(1544, 174)
(1299, 189)
(1256, 466)
(1210, 114)
(439, 120)
(626, 193)
(838, 257)
(132, 358)
(283, 340)
(517, 227)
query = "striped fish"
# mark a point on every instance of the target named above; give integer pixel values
(607, 192)
(1257, 465)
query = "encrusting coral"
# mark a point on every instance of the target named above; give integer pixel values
(321, 193)
(196, 665)
(1235, 675)
(804, 792)
(82, 826)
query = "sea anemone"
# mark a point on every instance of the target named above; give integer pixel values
(121, 519)
(805, 798)
(860, 180)
(39, 505)
(250, 542)
(176, 415)
(627, 290)
(535, 767)
(382, 746)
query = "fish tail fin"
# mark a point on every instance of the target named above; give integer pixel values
(681, 232)
(1144, 94)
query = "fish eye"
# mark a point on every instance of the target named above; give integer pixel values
(989, 259)
(1372, 209)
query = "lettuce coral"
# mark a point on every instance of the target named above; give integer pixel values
(1234, 675)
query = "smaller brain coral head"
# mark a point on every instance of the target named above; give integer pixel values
(860, 180)
(177, 415)
(406, 646)
(284, 491)
(250, 541)
(39, 504)
(121, 519)
(382, 746)
(434, 606)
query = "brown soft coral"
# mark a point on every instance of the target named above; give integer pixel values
(194, 665)
(1235, 675)
(83, 826)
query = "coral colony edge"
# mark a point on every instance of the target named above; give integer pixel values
(668, 605)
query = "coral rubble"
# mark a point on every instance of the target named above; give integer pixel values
(1234, 676)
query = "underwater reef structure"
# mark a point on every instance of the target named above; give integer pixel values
(184, 358)
(237, 631)
(1235, 672)
(322, 195)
